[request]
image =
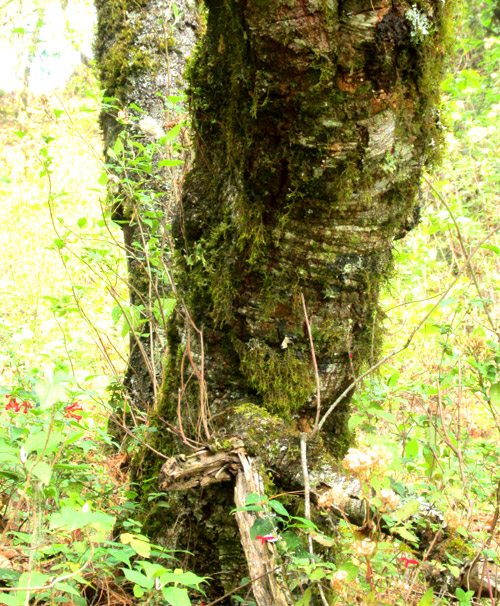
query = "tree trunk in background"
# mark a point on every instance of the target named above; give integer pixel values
(313, 122)
(141, 49)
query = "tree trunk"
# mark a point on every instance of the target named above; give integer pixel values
(141, 49)
(313, 122)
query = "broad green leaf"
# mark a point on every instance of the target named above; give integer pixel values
(49, 392)
(427, 598)
(139, 544)
(411, 449)
(42, 440)
(42, 471)
(351, 569)
(385, 415)
(407, 510)
(185, 578)
(67, 588)
(279, 508)
(73, 519)
(495, 394)
(405, 534)
(305, 599)
(176, 596)
(170, 162)
(253, 497)
(354, 421)
(290, 538)
(30, 579)
(118, 146)
(261, 527)
(172, 133)
(137, 577)
(305, 522)
(103, 179)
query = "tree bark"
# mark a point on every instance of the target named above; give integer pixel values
(313, 122)
(141, 49)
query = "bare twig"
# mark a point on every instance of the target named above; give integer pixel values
(464, 252)
(315, 364)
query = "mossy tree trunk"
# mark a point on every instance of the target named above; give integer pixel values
(313, 122)
(141, 50)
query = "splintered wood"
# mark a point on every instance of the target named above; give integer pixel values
(261, 559)
(199, 469)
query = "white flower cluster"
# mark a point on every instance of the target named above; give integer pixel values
(334, 497)
(390, 500)
(338, 580)
(365, 547)
(150, 126)
(361, 461)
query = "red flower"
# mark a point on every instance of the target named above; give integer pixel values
(409, 562)
(14, 405)
(70, 411)
(268, 538)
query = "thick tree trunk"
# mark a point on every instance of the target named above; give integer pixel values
(313, 122)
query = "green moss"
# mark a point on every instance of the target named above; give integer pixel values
(458, 549)
(284, 382)
(263, 432)
(123, 49)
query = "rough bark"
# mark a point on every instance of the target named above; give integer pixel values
(313, 122)
(142, 48)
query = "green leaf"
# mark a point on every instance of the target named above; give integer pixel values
(103, 179)
(351, 569)
(411, 449)
(82, 222)
(9, 599)
(138, 578)
(118, 146)
(30, 579)
(73, 519)
(67, 588)
(185, 578)
(170, 162)
(405, 534)
(253, 497)
(290, 538)
(385, 415)
(305, 522)
(176, 596)
(42, 471)
(172, 133)
(305, 599)
(41, 440)
(354, 421)
(139, 544)
(261, 527)
(407, 510)
(427, 598)
(279, 508)
(495, 394)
